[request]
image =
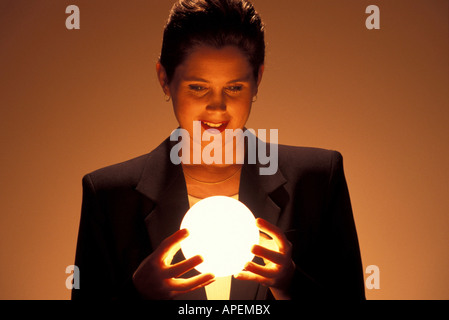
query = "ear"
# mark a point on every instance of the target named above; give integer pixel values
(162, 77)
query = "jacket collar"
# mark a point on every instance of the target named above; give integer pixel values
(164, 184)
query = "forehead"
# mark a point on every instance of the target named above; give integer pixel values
(209, 63)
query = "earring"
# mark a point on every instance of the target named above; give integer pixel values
(167, 98)
(254, 98)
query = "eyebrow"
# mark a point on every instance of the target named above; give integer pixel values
(243, 79)
(197, 79)
(193, 79)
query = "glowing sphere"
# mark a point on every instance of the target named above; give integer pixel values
(222, 230)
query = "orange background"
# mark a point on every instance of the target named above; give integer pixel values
(76, 100)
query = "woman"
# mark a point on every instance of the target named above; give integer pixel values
(211, 65)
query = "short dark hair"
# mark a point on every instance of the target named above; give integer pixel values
(216, 23)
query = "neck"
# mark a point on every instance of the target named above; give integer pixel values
(207, 181)
(210, 173)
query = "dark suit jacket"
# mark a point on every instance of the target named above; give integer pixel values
(129, 208)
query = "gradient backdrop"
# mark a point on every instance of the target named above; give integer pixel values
(76, 100)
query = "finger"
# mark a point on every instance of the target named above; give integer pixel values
(275, 233)
(197, 287)
(171, 244)
(176, 293)
(192, 283)
(182, 267)
(264, 236)
(265, 253)
(260, 270)
(249, 276)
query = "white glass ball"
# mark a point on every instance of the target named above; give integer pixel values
(222, 230)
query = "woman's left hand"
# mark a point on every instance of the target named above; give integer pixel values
(277, 255)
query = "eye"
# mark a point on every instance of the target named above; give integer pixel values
(235, 88)
(196, 87)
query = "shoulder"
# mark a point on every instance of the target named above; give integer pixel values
(307, 153)
(126, 173)
(308, 160)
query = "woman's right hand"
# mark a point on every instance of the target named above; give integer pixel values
(156, 278)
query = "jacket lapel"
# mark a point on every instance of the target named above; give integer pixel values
(163, 183)
(256, 193)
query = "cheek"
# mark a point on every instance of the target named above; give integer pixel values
(185, 112)
(241, 111)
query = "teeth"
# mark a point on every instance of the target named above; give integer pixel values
(213, 125)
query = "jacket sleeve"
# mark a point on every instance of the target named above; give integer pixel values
(343, 241)
(339, 262)
(95, 255)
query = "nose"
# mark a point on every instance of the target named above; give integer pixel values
(217, 101)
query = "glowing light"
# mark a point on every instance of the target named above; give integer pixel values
(222, 230)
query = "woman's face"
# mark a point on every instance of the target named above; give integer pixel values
(213, 86)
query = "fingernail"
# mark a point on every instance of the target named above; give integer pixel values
(211, 276)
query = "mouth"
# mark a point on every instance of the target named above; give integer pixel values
(220, 126)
